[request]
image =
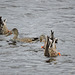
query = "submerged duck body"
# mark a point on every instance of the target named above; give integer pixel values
(15, 33)
(25, 40)
(52, 49)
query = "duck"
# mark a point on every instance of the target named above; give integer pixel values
(3, 28)
(50, 45)
(15, 32)
(43, 38)
(50, 50)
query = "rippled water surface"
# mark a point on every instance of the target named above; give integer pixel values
(33, 18)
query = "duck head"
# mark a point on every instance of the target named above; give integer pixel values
(42, 38)
(15, 32)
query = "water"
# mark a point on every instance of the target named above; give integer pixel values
(33, 18)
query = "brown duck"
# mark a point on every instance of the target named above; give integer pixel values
(49, 45)
(43, 38)
(15, 32)
(3, 28)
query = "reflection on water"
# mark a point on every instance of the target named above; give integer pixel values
(50, 60)
(33, 18)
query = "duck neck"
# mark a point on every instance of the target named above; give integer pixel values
(46, 53)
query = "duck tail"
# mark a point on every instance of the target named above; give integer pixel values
(35, 39)
(52, 35)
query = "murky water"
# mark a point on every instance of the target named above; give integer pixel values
(33, 18)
